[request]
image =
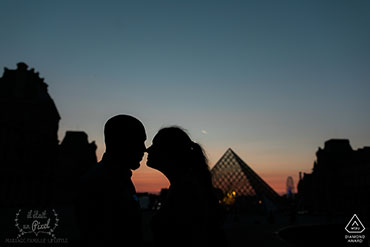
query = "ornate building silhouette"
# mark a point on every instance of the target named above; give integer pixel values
(31, 160)
(339, 182)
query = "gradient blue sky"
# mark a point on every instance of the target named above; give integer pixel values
(271, 79)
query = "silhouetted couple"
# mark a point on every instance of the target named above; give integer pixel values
(108, 208)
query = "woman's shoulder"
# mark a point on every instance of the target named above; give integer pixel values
(190, 190)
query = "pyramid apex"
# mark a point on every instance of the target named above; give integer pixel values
(231, 173)
(229, 150)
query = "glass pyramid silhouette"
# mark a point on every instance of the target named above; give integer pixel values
(231, 174)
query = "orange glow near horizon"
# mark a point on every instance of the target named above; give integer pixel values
(149, 180)
(152, 181)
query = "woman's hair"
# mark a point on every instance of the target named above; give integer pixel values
(190, 154)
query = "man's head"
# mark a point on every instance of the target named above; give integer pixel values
(124, 140)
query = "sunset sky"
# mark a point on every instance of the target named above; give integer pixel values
(271, 79)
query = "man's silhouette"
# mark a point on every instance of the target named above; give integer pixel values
(108, 209)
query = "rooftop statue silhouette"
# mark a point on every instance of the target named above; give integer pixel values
(108, 208)
(190, 214)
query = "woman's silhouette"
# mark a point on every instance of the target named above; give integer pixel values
(190, 215)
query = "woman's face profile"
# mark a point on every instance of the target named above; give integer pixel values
(158, 154)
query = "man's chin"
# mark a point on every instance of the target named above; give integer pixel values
(135, 166)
